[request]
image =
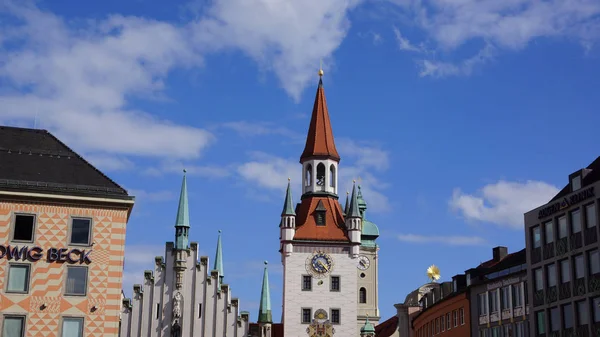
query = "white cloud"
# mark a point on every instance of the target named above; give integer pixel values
(78, 81)
(504, 25)
(503, 203)
(287, 37)
(271, 172)
(405, 44)
(447, 239)
(138, 258)
(109, 163)
(439, 69)
(375, 38)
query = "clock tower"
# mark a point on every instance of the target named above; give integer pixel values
(321, 244)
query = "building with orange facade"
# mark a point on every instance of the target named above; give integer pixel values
(62, 239)
(445, 311)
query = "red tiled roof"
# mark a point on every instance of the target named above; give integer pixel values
(387, 328)
(306, 226)
(319, 141)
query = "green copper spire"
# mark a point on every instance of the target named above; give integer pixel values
(347, 205)
(288, 204)
(368, 329)
(362, 204)
(353, 210)
(219, 259)
(182, 224)
(264, 312)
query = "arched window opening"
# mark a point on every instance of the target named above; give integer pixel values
(308, 175)
(362, 295)
(320, 174)
(332, 175)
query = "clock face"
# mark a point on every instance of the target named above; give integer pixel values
(363, 262)
(319, 265)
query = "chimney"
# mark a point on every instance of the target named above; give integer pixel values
(500, 253)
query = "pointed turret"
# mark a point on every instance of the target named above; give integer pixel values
(362, 204)
(264, 311)
(319, 141)
(353, 209)
(218, 266)
(347, 203)
(368, 330)
(182, 223)
(288, 204)
(354, 222)
(288, 222)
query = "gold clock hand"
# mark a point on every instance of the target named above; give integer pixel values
(323, 265)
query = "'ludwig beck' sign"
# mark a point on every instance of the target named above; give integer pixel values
(35, 253)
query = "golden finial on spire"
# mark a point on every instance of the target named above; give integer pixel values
(289, 179)
(321, 69)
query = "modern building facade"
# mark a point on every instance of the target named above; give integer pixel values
(563, 259)
(184, 296)
(62, 227)
(329, 253)
(498, 292)
(445, 311)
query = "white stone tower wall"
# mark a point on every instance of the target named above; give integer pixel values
(296, 298)
(370, 283)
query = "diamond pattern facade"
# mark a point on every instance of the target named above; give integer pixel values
(45, 303)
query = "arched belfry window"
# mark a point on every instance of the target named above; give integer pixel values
(332, 175)
(308, 175)
(320, 174)
(362, 295)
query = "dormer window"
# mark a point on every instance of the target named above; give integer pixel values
(320, 214)
(455, 286)
(576, 183)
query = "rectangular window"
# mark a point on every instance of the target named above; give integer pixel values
(517, 293)
(536, 237)
(582, 312)
(575, 221)
(72, 327)
(335, 316)
(448, 322)
(482, 304)
(562, 227)
(306, 282)
(519, 330)
(596, 308)
(548, 228)
(493, 297)
(335, 283)
(496, 331)
(579, 267)
(551, 274)
(576, 183)
(594, 262)
(540, 322)
(507, 330)
(565, 272)
(455, 318)
(199, 310)
(461, 314)
(567, 311)
(18, 278)
(306, 313)
(505, 297)
(554, 319)
(81, 229)
(538, 279)
(76, 280)
(437, 325)
(13, 326)
(24, 227)
(443, 324)
(590, 216)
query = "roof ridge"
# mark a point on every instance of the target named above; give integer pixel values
(85, 161)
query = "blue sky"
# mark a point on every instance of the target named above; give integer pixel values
(457, 115)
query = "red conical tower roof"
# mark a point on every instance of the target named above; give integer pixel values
(319, 141)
